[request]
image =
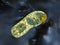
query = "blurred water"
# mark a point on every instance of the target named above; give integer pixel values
(9, 17)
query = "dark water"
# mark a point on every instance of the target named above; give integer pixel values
(11, 13)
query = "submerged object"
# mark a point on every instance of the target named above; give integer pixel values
(31, 20)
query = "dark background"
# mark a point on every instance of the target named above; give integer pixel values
(11, 11)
